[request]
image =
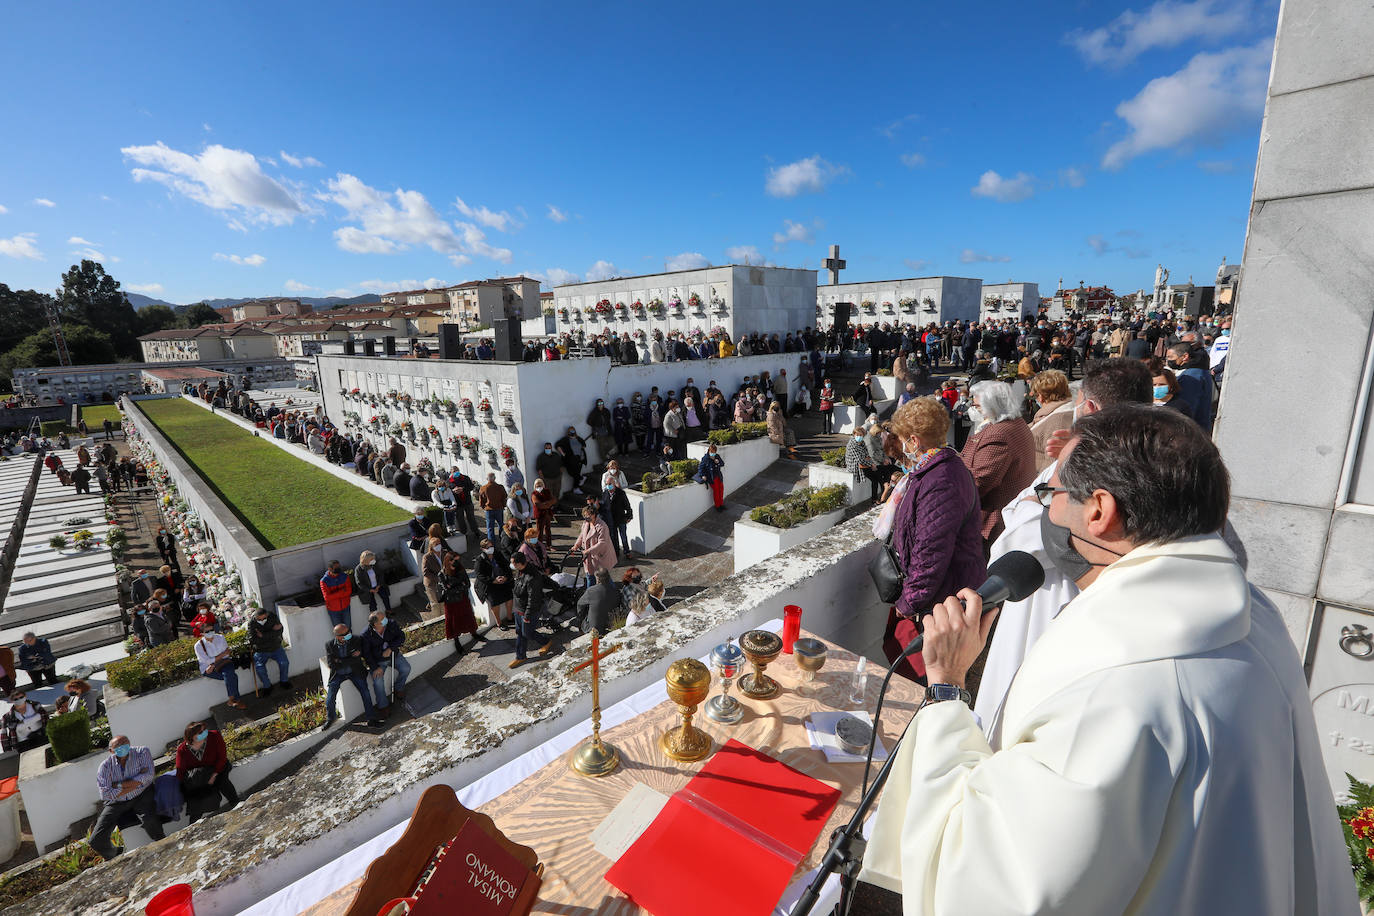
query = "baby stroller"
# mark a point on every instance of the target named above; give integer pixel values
(563, 590)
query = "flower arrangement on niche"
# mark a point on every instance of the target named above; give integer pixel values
(507, 453)
(694, 301)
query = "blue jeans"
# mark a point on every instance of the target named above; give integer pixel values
(379, 678)
(383, 592)
(619, 531)
(493, 524)
(229, 674)
(337, 617)
(260, 660)
(524, 634)
(333, 690)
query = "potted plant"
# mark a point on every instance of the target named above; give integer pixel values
(484, 408)
(58, 542)
(465, 407)
(929, 303)
(868, 306)
(694, 303)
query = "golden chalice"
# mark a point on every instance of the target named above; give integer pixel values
(688, 683)
(760, 647)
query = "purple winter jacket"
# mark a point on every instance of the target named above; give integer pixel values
(937, 533)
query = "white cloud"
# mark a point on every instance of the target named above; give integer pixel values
(1166, 24)
(237, 226)
(557, 215)
(388, 286)
(501, 222)
(388, 226)
(687, 260)
(917, 264)
(78, 240)
(1072, 177)
(602, 270)
(890, 130)
(44, 202)
(743, 254)
(147, 289)
(1215, 93)
(969, 256)
(805, 176)
(1006, 190)
(91, 254)
(3, 209)
(300, 162)
(557, 276)
(1101, 246)
(220, 178)
(434, 283)
(476, 242)
(913, 160)
(252, 260)
(21, 246)
(295, 286)
(793, 232)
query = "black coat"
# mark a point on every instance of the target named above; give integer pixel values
(621, 513)
(485, 571)
(392, 637)
(596, 605)
(529, 595)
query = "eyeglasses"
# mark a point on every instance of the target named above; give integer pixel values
(1044, 493)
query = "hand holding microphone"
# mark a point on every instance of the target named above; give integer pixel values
(955, 633)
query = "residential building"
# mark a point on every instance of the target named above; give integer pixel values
(105, 382)
(211, 341)
(302, 340)
(480, 302)
(170, 381)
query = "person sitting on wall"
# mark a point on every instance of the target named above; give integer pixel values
(125, 781)
(212, 653)
(343, 656)
(25, 724)
(203, 768)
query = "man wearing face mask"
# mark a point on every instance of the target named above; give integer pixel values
(599, 421)
(548, 465)
(1164, 701)
(125, 781)
(1194, 384)
(1106, 382)
(167, 548)
(343, 655)
(382, 641)
(573, 450)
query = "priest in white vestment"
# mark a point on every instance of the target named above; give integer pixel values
(1158, 754)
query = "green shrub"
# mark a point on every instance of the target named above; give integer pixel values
(833, 457)
(70, 735)
(244, 741)
(434, 516)
(680, 472)
(738, 432)
(885, 372)
(165, 665)
(53, 427)
(800, 505)
(58, 542)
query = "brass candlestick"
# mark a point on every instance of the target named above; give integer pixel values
(595, 757)
(688, 683)
(760, 647)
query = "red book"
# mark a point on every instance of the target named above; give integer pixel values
(729, 841)
(475, 877)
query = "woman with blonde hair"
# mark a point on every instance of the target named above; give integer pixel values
(1051, 391)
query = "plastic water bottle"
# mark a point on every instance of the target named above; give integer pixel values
(857, 694)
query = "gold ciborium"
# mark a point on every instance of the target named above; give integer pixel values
(760, 647)
(688, 683)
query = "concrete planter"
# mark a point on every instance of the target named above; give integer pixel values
(821, 474)
(159, 716)
(886, 387)
(57, 797)
(846, 416)
(659, 516)
(755, 542)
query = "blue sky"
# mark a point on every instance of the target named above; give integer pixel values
(265, 149)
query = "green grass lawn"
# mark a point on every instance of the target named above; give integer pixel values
(283, 500)
(97, 415)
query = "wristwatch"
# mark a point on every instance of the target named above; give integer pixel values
(938, 693)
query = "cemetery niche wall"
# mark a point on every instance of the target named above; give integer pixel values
(918, 301)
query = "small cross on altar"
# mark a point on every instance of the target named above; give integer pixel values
(834, 265)
(594, 757)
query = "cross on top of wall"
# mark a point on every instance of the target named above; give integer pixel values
(834, 265)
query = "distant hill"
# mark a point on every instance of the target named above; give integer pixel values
(138, 301)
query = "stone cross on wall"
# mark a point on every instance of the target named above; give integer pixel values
(834, 265)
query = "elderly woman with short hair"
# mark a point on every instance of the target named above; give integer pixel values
(1051, 391)
(936, 526)
(1000, 455)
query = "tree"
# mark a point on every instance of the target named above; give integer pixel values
(196, 315)
(91, 296)
(21, 314)
(85, 344)
(156, 318)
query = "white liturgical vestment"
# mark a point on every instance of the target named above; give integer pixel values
(1159, 756)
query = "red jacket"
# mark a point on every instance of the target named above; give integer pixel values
(214, 755)
(338, 592)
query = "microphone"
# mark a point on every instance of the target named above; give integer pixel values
(1014, 576)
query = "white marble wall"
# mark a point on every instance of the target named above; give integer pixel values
(1309, 264)
(754, 299)
(955, 299)
(1027, 293)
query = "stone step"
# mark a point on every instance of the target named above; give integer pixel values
(74, 622)
(16, 613)
(302, 682)
(105, 634)
(74, 565)
(59, 582)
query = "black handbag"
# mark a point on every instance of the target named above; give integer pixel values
(886, 571)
